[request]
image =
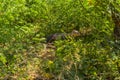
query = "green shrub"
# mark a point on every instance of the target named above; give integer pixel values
(25, 23)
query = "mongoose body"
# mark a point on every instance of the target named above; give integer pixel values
(61, 36)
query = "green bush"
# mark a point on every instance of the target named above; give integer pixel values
(25, 23)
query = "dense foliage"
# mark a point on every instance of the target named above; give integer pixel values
(24, 24)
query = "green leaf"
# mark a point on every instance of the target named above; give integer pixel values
(3, 58)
